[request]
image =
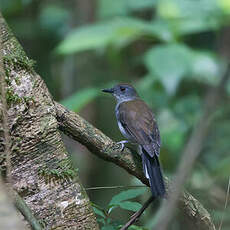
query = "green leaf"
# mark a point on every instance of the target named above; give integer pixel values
(126, 195)
(80, 98)
(189, 17)
(130, 205)
(169, 63)
(118, 32)
(85, 38)
(98, 212)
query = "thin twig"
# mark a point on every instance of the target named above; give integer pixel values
(137, 214)
(115, 187)
(191, 152)
(226, 204)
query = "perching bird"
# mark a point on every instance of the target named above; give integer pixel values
(137, 123)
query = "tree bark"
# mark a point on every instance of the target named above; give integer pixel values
(41, 172)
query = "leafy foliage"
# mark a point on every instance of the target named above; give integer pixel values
(121, 200)
(125, 195)
(119, 32)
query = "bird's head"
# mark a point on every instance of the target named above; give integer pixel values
(122, 92)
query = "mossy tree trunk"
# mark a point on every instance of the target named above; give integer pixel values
(41, 172)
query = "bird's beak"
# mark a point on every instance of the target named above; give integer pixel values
(108, 90)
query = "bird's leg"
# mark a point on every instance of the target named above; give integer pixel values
(122, 143)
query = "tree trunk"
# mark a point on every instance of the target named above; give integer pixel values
(41, 171)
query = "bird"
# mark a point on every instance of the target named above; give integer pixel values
(138, 125)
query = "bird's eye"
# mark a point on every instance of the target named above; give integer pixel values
(122, 89)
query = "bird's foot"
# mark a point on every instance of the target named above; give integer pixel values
(122, 143)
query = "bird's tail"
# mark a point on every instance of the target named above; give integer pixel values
(152, 170)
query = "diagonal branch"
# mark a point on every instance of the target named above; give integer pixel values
(103, 147)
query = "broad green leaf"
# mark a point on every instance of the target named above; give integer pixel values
(85, 38)
(169, 63)
(80, 98)
(126, 195)
(98, 212)
(186, 17)
(118, 32)
(130, 205)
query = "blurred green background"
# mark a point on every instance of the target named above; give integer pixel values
(173, 51)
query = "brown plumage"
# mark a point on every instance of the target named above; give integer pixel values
(139, 122)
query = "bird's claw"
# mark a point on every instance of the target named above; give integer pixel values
(122, 143)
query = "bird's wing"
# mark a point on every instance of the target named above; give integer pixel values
(138, 121)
